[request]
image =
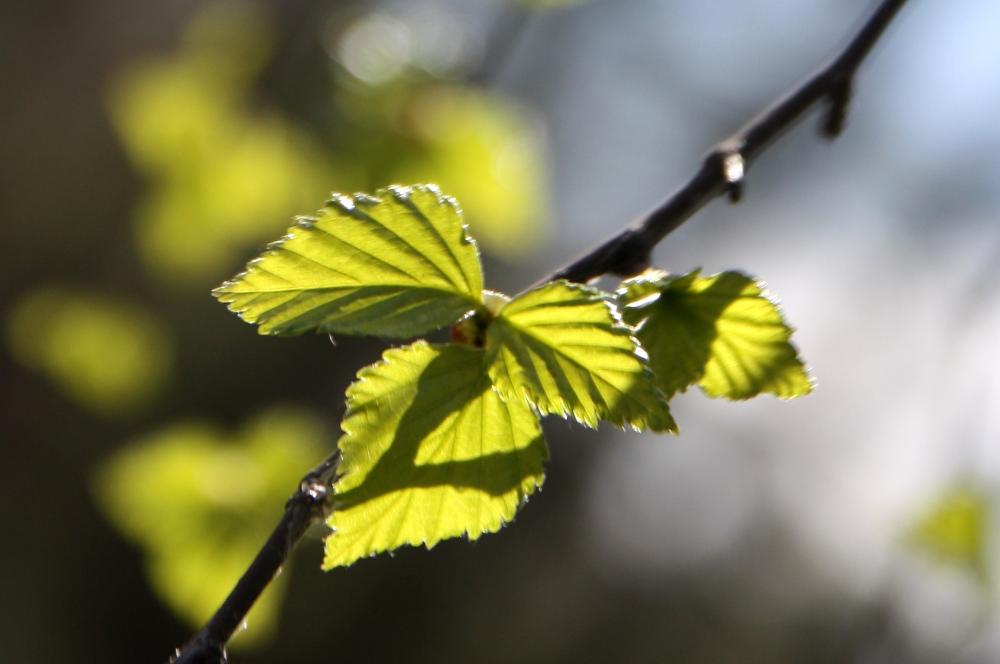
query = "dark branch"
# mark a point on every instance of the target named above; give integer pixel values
(625, 254)
(308, 505)
(722, 171)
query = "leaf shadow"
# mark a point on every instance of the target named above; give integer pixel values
(446, 388)
(692, 330)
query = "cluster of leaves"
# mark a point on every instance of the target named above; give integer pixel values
(443, 440)
(224, 166)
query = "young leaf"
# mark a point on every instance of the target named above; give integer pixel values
(562, 348)
(721, 332)
(430, 451)
(395, 264)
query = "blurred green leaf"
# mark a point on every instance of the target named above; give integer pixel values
(486, 152)
(722, 332)
(223, 176)
(562, 348)
(200, 503)
(395, 264)
(109, 356)
(954, 529)
(220, 176)
(430, 451)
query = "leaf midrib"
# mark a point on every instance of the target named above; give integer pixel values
(580, 366)
(361, 286)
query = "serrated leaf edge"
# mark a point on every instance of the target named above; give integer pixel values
(562, 408)
(662, 280)
(347, 204)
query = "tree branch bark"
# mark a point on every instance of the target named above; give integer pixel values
(309, 504)
(724, 168)
(627, 253)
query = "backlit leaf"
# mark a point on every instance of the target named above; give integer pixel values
(222, 173)
(430, 451)
(562, 348)
(487, 152)
(200, 502)
(721, 332)
(395, 264)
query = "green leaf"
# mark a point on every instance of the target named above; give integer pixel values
(954, 529)
(199, 502)
(563, 348)
(222, 171)
(721, 332)
(396, 264)
(430, 451)
(487, 152)
(109, 356)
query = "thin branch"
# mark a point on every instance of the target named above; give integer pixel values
(724, 168)
(309, 504)
(625, 254)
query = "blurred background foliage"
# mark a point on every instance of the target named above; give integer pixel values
(225, 176)
(220, 177)
(111, 357)
(200, 503)
(955, 530)
(147, 150)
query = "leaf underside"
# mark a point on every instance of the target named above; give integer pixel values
(430, 451)
(562, 348)
(721, 332)
(395, 264)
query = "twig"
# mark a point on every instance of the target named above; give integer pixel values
(625, 254)
(308, 505)
(724, 168)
